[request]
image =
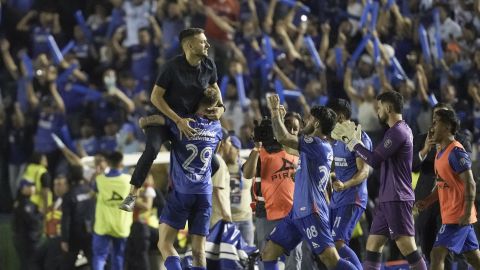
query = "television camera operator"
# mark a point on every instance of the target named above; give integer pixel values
(273, 168)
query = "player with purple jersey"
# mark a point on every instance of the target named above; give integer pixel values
(309, 218)
(350, 196)
(393, 214)
(190, 198)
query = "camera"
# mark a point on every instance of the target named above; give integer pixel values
(263, 132)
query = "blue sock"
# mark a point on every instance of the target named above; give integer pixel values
(198, 268)
(173, 263)
(270, 265)
(343, 264)
(348, 254)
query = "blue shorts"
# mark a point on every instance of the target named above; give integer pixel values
(194, 208)
(343, 221)
(313, 228)
(456, 238)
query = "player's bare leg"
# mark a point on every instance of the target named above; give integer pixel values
(473, 258)
(437, 258)
(198, 251)
(408, 248)
(270, 255)
(375, 244)
(166, 238)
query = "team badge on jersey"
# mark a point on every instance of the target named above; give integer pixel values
(387, 143)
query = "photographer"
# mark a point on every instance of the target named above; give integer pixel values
(273, 168)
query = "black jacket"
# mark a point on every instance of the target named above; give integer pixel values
(78, 211)
(27, 219)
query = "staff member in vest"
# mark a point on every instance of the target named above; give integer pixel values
(455, 191)
(273, 192)
(37, 174)
(112, 225)
(78, 209)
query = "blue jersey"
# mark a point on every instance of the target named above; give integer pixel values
(190, 159)
(312, 176)
(48, 123)
(345, 169)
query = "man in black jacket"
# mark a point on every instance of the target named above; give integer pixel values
(77, 218)
(428, 222)
(27, 225)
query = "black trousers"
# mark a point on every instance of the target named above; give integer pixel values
(138, 247)
(26, 249)
(155, 136)
(70, 257)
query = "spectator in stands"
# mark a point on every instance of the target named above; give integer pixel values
(144, 55)
(19, 148)
(47, 23)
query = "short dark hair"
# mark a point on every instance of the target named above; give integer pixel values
(444, 106)
(189, 32)
(340, 106)
(74, 174)
(450, 118)
(114, 159)
(36, 158)
(393, 98)
(210, 97)
(326, 116)
(294, 115)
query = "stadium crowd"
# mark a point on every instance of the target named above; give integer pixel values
(76, 77)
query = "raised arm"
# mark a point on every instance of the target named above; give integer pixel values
(347, 85)
(279, 129)
(250, 166)
(8, 59)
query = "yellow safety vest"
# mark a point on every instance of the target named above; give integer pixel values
(33, 173)
(109, 219)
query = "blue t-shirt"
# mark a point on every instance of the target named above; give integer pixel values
(142, 62)
(107, 144)
(190, 159)
(345, 169)
(48, 124)
(39, 40)
(313, 173)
